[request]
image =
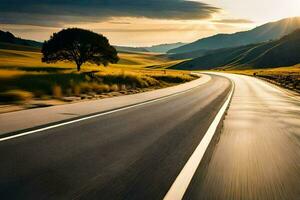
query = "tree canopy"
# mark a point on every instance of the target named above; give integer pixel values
(79, 46)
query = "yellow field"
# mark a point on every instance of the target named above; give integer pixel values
(24, 76)
(14, 63)
(13, 58)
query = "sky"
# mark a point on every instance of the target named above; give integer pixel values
(141, 22)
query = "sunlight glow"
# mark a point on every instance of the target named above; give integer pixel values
(155, 31)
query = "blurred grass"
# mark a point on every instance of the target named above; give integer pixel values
(15, 96)
(22, 73)
(288, 77)
(41, 84)
(18, 58)
(285, 71)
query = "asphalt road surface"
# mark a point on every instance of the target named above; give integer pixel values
(138, 153)
(131, 154)
(257, 154)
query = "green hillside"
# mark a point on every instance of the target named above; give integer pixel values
(189, 55)
(163, 48)
(18, 47)
(278, 53)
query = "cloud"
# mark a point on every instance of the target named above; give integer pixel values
(135, 30)
(233, 21)
(113, 22)
(58, 12)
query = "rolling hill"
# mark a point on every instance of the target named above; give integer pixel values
(188, 55)
(9, 41)
(278, 53)
(19, 47)
(164, 48)
(130, 49)
(161, 48)
(9, 38)
(266, 32)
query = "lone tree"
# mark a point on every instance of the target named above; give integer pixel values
(79, 46)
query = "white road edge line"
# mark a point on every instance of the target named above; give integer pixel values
(96, 115)
(179, 187)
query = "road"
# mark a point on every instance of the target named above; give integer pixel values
(13, 122)
(138, 153)
(257, 154)
(131, 154)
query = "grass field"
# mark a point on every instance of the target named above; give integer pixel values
(288, 77)
(17, 58)
(23, 76)
(292, 70)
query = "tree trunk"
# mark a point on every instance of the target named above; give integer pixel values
(78, 67)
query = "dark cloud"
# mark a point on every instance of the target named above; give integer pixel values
(58, 12)
(233, 21)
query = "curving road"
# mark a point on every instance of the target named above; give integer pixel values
(257, 154)
(138, 153)
(131, 154)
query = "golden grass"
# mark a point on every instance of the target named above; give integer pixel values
(17, 63)
(4, 73)
(24, 71)
(14, 58)
(291, 70)
(16, 96)
(288, 77)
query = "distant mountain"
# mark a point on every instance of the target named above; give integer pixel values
(188, 55)
(278, 53)
(9, 41)
(7, 37)
(163, 48)
(266, 32)
(130, 49)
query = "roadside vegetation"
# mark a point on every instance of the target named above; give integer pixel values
(288, 77)
(25, 79)
(14, 84)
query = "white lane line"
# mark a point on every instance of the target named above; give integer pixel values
(96, 115)
(184, 178)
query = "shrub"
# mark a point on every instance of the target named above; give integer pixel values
(87, 87)
(57, 91)
(173, 78)
(149, 81)
(123, 87)
(99, 88)
(114, 88)
(15, 96)
(135, 80)
(76, 90)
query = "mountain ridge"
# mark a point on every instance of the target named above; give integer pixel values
(272, 54)
(8, 37)
(160, 48)
(265, 32)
